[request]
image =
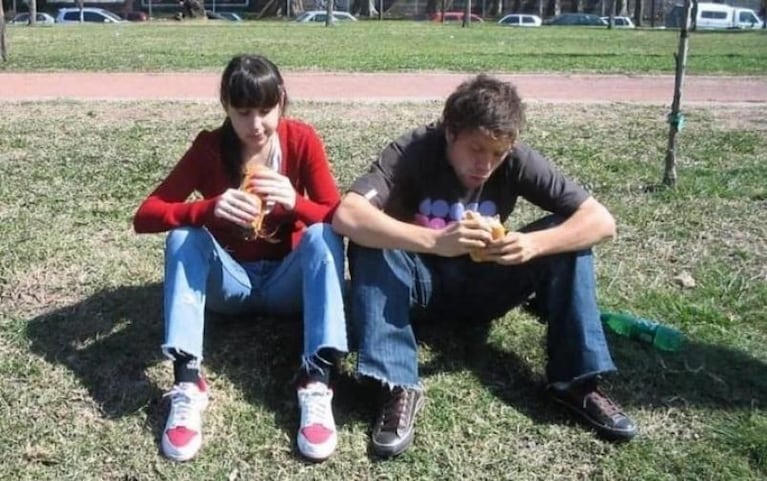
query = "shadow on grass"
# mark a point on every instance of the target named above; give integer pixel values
(701, 375)
(112, 338)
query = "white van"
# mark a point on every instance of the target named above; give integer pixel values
(716, 15)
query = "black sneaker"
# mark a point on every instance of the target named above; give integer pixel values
(598, 410)
(395, 427)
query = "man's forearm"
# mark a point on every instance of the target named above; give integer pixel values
(364, 224)
(591, 224)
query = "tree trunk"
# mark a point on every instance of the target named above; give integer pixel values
(3, 52)
(611, 21)
(675, 118)
(364, 8)
(32, 12)
(80, 6)
(466, 14)
(638, 12)
(694, 16)
(496, 8)
(557, 7)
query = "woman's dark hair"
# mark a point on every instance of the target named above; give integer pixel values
(485, 103)
(248, 82)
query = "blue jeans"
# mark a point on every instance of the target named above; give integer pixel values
(200, 275)
(390, 289)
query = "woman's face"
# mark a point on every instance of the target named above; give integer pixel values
(253, 126)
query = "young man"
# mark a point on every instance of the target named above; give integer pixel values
(410, 236)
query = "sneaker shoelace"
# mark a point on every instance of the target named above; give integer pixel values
(182, 401)
(315, 407)
(604, 403)
(395, 408)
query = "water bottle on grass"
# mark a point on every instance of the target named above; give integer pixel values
(662, 337)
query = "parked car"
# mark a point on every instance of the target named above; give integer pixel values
(455, 16)
(520, 20)
(90, 14)
(620, 22)
(715, 15)
(314, 16)
(23, 19)
(136, 16)
(231, 16)
(581, 19)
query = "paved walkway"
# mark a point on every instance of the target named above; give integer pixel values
(653, 89)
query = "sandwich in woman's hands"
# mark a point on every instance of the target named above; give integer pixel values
(250, 171)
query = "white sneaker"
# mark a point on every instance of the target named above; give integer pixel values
(182, 437)
(317, 437)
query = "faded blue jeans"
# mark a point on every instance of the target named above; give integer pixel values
(200, 275)
(390, 289)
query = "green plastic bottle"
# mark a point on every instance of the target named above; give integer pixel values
(659, 335)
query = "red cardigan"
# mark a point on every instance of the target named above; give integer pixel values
(201, 169)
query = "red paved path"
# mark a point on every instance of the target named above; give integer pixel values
(657, 89)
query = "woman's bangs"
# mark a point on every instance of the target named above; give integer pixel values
(247, 92)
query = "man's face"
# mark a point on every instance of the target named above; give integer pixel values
(254, 127)
(475, 154)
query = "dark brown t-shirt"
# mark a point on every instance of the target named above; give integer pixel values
(413, 181)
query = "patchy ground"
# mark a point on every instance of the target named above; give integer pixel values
(420, 86)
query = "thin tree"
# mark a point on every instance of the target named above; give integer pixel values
(611, 20)
(3, 52)
(328, 13)
(32, 12)
(675, 118)
(466, 14)
(764, 14)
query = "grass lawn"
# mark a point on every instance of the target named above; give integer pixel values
(371, 46)
(81, 377)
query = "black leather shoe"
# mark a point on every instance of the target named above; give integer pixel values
(395, 427)
(597, 410)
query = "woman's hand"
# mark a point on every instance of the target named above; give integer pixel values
(237, 206)
(273, 187)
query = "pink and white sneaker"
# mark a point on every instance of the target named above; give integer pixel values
(317, 437)
(182, 437)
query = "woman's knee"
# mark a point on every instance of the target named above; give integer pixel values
(186, 237)
(322, 238)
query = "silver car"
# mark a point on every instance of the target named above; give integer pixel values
(90, 15)
(23, 19)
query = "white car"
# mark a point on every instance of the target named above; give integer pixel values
(90, 14)
(621, 22)
(520, 20)
(23, 19)
(314, 16)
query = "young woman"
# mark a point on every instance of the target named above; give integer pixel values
(215, 260)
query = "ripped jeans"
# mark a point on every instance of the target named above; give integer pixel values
(200, 275)
(392, 288)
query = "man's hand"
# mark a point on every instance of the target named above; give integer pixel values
(459, 238)
(237, 206)
(514, 248)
